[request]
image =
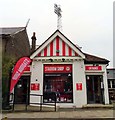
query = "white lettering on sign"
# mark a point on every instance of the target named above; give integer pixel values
(93, 67)
(60, 68)
(21, 68)
(23, 65)
(54, 68)
(16, 75)
(57, 68)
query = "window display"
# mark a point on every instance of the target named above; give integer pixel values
(59, 84)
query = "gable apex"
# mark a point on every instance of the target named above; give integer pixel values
(58, 40)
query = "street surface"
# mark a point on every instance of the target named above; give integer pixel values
(96, 114)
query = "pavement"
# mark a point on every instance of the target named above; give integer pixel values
(76, 114)
(88, 112)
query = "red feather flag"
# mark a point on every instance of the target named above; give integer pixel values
(19, 68)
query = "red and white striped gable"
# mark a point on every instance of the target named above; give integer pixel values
(57, 45)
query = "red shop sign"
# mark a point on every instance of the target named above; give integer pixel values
(57, 68)
(78, 86)
(35, 86)
(93, 67)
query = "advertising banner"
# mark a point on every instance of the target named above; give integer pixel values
(19, 68)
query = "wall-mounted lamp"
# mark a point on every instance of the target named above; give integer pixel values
(97, 64)
(51, 60)
(36, 79)
(94, 64)
(63, 60)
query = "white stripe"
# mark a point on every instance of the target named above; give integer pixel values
(42, 53)
(67, 49)
(48, 50)
(73, 53)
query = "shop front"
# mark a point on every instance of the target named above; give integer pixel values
(96, 84)
(60, 68)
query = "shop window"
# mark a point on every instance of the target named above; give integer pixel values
(59, 84)
(111, 83)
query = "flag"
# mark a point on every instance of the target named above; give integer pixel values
(18, 70)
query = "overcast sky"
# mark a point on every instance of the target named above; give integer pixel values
(88, 23)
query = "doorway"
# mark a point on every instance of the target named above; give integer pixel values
(94, 89)
(21, 90)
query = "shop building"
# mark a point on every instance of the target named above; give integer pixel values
(111, 84)
(60, 67)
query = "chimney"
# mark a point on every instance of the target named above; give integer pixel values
(33, 42)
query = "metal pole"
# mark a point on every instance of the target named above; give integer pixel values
(55, 101)
(26, 101)
(41, 103)
(13, 101)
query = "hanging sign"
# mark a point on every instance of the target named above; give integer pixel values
(93, 67)
(35, 86)
(57, 68)
(78, 86)
(19, 70)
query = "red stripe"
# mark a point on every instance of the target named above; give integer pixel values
(63, 48)
(70, 51)
(57, 45)
(51, 48)
(76, 54)
(39, 54)
(45, 51)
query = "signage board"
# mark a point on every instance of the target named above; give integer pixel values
(78, 86)
(92, 68)
(57, 68)
(35, 86)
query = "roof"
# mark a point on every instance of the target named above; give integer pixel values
(61, 34)
(15, 41)
(89, 59)
(10, 30)
(51, 38)
(94, 59)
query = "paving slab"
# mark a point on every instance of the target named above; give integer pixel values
(75, 114)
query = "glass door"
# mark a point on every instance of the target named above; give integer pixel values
(94, 88)
(21, 90)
